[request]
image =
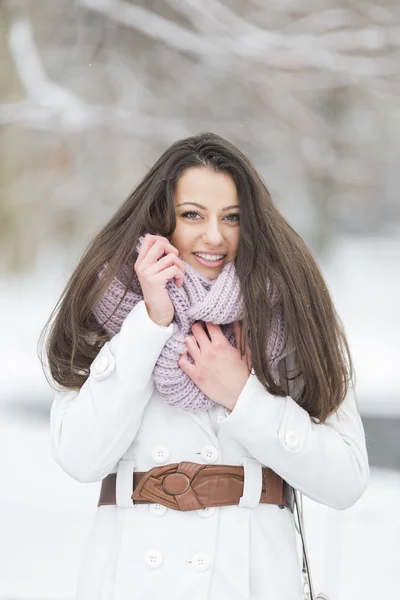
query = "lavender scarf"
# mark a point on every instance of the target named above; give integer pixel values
(199, 299)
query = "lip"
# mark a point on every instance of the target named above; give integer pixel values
(209, 252)
(208, 263)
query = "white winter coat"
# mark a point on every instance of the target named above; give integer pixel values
(118, 422)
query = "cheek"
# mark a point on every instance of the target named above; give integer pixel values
(181, 240)
(234, 241)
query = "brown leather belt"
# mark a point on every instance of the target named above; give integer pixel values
(193, 486)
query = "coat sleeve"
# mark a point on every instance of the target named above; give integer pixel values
(327, 462)
(92, 428)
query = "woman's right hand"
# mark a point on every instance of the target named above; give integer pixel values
(153, 272)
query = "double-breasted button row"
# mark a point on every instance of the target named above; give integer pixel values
(199, 562)
(162, 454)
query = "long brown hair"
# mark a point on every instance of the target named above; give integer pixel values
(269, 249)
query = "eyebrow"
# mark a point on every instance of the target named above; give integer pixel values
(205, 208)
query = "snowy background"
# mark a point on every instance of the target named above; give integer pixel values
(92, 93)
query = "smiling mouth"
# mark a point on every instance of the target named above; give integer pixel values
(210, 254)
(210, 262)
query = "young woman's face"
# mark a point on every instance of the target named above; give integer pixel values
(207, 219)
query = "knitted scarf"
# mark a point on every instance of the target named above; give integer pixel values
(199, 299)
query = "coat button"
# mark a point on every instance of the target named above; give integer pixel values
(208, 511)
(220, 418)
(100, 364)
(200, 562)
(161, 455)
(153, 559)
(158, 509)
(292, 440)
(209, 454)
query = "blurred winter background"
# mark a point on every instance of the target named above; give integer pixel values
(92, 91)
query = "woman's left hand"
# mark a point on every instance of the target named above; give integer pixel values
(218, 370)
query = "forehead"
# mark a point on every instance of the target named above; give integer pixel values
(205, 186)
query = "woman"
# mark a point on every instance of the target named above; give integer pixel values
(170, 344)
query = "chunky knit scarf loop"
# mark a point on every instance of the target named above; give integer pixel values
(199, 299)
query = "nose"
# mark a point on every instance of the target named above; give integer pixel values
(212, 234)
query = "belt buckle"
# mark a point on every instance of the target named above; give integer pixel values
(170, 485)
(176, 483)
(148, 489)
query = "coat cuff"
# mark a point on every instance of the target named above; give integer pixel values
(260, 419)
(327, 462)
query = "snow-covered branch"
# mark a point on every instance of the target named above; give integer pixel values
(291, 50)
(51, 99)
(153, 25)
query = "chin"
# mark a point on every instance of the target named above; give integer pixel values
(210, 273)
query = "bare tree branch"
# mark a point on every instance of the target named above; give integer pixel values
(153, 25)
(293, 51)
(52, 98)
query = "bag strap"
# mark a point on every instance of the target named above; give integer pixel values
(308, 588)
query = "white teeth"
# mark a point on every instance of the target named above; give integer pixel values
(210, 256)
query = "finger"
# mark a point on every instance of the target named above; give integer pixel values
(215, 331)
(153, 248)
(192, 347)
(182, 361)
(199, 334)
(185, 365)
(146, 245)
